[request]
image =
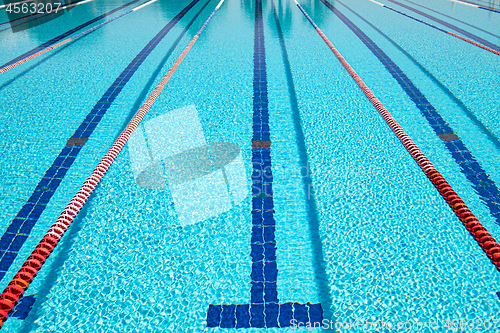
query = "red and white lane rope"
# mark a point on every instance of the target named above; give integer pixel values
(67, 40)
(484, 47)
(476, 229)
(476, 6)
(22, 280)
(470, 41)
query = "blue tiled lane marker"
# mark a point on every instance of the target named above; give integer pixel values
(447, 91)
(24, 306)
(66, 34)
(469, 166)
(453, 18)
(20, 228)
(491, 9)
(264, 309)
(446, 24)
(321, 276)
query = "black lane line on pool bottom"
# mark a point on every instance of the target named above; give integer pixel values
(64, 35)
(20, 228)
(452, 18)
(154, 75)
(491, 9)
(472, 117)
(485, 2)
(22, 312)
(23, 308)
(446, 24)
(322, 279)
(469, 166)
(264, 309)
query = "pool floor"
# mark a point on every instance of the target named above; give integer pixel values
(256, 182)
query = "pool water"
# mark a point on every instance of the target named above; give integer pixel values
(260, 133)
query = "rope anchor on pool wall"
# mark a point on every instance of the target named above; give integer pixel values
(205, 179)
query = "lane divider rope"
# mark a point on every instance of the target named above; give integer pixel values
(491, 9)
(469, 165)
(68, 33)
(25, 220)
(25, 276)
(454, 19)
(67, 40)
(465, 3)
(463, 32)
(473, 42)
(485, 240)
(484, 47)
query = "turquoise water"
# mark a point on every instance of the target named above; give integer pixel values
(391, 248)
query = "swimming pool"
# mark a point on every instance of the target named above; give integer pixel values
(262, 190)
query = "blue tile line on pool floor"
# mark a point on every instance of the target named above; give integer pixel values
(64, 35)
(319, 262)
(446, 24)
(264, 309)
(20, 228)
(491, 9)
(453, 18)
(22, 309)
(486, 131)
(469, 166)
